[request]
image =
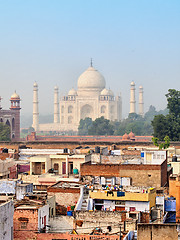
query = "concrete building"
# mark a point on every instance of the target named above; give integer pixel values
(12, 117)
(128, 199)
(58, 163)
(15, 187)
(92, 99)
(136, 172)
(6, 220)
(5, 166)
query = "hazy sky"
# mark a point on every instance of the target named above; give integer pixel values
(52, 41)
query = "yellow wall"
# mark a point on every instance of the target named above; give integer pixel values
(129, 196)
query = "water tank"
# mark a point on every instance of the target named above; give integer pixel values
(69, 213)
(171, 217)
(75, 171)
(142, 154)
(170, 205)
(174, 159)
(97, 149)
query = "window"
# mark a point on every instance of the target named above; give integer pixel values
(70, 109)
(23, 225)
(103, 109)
(43, 166)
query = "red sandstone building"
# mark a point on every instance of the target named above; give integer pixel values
(12, 117)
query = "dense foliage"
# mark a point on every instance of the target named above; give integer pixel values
(4, 132)
(140, 126)
(101, 126)
(84, 126)
(169, 125)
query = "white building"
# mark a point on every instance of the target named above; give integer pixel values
(92, 99)
(6, 220)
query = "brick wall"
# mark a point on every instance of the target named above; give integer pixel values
(164, 178)
(108, 170)
(65, 236)
(30, 216)
(65, 198)
(141, 174)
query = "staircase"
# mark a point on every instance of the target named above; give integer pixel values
(84, 205)
(84, 202)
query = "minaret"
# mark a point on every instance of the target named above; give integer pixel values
(35, 108)
(132, 98)
(15, 108)
(141, 101)
(56, 105)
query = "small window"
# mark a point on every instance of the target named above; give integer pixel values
(23, 225)
(62, 109)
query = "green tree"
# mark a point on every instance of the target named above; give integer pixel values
(169, 125)
(135, 123)
(173, 99)
(84, 126)
(161, 145)
(159, 124)
(4, 132)
(101, 126)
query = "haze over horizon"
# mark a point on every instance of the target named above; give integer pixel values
(52, 42)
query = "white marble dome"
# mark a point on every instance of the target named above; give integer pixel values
(72, 92)
(35, 84)
(132, 83)
(90, 79)
(104, 92)
(15, 95)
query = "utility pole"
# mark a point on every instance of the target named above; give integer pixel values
(120, 233)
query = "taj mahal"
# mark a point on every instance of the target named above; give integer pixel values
(91, 99)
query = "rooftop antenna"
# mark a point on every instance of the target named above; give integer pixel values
(91, 62)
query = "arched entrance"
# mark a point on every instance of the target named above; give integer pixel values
(86, 111)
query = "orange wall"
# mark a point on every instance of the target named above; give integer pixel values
(174, 190)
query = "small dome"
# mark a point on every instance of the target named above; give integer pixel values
(91, 78)
(72, 92)
(35, 84)
(125, 137)
(132, 83)
(104, 92)
(15, 95)
(131, 135)
(111, 92)
(56, 88)
(141, 87)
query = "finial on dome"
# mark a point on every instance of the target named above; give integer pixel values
(91, 62)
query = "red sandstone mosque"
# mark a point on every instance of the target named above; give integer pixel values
(11, 117)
